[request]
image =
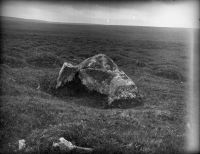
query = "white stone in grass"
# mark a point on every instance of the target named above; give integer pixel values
(22, 144)
(67, 146)
(64, 145)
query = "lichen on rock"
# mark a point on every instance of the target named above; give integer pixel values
(100, 73)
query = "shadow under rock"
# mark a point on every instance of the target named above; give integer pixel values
(75, 92)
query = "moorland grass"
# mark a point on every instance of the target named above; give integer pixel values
(32, 109)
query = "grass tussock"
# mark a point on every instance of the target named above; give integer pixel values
(45, 60)
(13, 61)
(169, 73)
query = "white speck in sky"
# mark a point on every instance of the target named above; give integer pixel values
(108, 20)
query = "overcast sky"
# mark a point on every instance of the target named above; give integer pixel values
(154, 13)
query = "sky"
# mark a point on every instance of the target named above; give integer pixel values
(145, 13)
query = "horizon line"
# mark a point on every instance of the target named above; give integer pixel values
(85, 23)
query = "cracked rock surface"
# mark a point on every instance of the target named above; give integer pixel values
(99, 73)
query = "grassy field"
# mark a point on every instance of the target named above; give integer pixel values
(33, 52)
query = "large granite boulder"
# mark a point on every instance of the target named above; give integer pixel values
(99, 73)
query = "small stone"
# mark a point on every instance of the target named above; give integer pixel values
(67, 146)
(22, 144)
(64, 145)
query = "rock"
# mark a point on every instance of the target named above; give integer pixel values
(64, 145)
(67, 146)
(99, 73)
(22, 144)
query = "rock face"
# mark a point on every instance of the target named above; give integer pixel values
(101, 74)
